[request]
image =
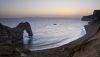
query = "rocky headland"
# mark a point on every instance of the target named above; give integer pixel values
(11, 40)
(86, 46)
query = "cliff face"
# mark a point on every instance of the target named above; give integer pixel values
(94, 16)
(90, 46)
(88, 18)
(7, 47)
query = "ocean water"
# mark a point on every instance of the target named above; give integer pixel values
(49, 32)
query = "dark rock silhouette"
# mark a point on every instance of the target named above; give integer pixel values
(11, 40)
(90, 41)
(19, 29)
(94, 16)
(88, 18)
(54, 24)
(14, 35)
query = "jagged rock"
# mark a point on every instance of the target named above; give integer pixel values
(94, 16)
(14, 35)
(88, 18)
(9, 40)
(90, 47)
(96, 13)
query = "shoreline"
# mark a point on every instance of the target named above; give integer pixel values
(75, 42)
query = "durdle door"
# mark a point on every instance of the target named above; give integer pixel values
(10, 38)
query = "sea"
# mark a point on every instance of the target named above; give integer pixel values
(49, 32)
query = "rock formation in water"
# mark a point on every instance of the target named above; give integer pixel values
(87, 46)
(15, 34)
(10, 38)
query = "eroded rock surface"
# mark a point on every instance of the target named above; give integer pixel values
(90, 47)
(8, 41)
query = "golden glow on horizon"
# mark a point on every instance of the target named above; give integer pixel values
(48, 7)
(37, 11)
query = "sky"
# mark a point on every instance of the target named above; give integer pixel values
(48, 7)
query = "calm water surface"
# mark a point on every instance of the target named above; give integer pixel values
(49, 33)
